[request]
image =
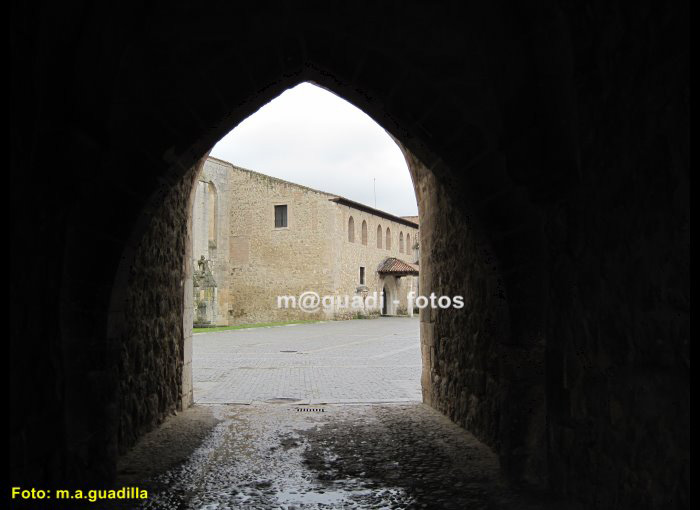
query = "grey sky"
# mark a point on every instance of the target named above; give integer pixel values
(312, 137)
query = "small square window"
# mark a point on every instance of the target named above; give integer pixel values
(280, 216)
(362, 275)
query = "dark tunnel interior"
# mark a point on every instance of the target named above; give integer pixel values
(548, 142)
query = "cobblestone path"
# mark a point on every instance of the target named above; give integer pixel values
(282, 456)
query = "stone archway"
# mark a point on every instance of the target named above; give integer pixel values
(443, 215)
(142, 311)
(532, 203)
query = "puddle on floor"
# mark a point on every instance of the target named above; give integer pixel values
(385, 457)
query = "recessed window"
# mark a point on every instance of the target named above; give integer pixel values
(387, 244)
(379, 236)
(401, 242)
(364, 232)
(212, 198)
(362, 275)
(351, 230)
(280, 216)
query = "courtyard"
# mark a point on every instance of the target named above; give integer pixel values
(315, 416)
(356, 361)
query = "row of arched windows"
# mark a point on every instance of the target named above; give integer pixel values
(383, 239)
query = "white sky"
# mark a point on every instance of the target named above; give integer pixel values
(310, 136)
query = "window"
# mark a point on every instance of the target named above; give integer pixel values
(212, 216)
(364, 232)
(387, 244)
(401, 242)
(362, 275)
(351, 230)
(280, 216)
(408, 244)
(379, 236)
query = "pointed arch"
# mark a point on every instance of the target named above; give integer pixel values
(351, 230)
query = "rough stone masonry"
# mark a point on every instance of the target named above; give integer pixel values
(325, 244)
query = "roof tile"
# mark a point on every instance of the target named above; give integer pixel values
(393, 265)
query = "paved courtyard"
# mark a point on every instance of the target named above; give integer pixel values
(364, 442)
(354, 361)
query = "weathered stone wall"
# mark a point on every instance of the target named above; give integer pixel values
(254, 262)
(352, 255)
(462, 349)
(212, 206)
(596, 289)
(266, 262)
(619, 362)
(153, 349)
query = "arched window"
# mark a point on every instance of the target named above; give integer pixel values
(408, 244)
(379, 236)
(212, 218)
(387, 244)
(364, 232)
(401, 242)
(351, 230)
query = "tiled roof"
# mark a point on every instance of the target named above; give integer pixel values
(397, 266)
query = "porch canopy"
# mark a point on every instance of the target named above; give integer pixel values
(397, 267)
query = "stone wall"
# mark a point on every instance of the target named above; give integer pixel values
(254, 262)
(266, 262)
(155, 349)
(619, 371)
(352, 255)
(589, 292)
(462, 349)
(211, 214)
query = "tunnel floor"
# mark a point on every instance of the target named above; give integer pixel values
(284, 456)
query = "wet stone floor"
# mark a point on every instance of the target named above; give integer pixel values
(282, 456)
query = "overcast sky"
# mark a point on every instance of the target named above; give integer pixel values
(312, 137)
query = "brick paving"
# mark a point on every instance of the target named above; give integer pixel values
(354, 361)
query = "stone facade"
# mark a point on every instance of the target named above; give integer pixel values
(325, 243)
(210, 242)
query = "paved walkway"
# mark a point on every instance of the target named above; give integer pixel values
(344, 450)
(356, 361)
